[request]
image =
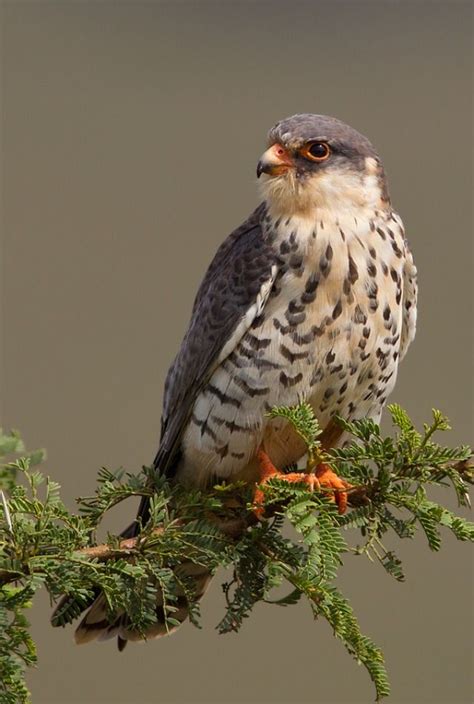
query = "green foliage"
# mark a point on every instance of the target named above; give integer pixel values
(42, 544)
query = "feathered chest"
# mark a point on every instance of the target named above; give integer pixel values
(329, 332)
(335, 302)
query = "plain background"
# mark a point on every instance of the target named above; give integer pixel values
(131, 133)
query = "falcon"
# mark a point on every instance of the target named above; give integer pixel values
(312, 298)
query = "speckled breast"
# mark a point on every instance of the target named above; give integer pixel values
(329, 333)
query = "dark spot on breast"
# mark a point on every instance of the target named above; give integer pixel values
(359, 316)
(292, 357)
(223, 398)
(234, 427)
(288, 381)
(328, 393)
(372, 289)
(386, 312)
(329, 252)
(381, 233)
(283, 266)
(205, 427)
(308, 297)
(257, 321)
(238, 455)
(284, 247)
(373, 305)
(372, 253)
(294, 318)
(324, 266)
(353, 272)
(330, 357)
(296, 260)
(343, 388)
(317, 376)
(386, 378)
(250, 390)
(337, 310)
(312, 283)
(342, 233)
(366, 332)
(295, 307)
(397, 250)
(371, 269)
(257, 343)
(235, 358)
(222, 451)
(316, 331)
(265, 364)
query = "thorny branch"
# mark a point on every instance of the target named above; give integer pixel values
(42, 544)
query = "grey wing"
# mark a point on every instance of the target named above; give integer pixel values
(232, 294)
(409, 302)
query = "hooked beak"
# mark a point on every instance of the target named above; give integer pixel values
(275, 161)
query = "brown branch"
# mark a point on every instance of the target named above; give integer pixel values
(233, 528)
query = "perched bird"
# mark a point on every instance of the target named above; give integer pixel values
(312, 298)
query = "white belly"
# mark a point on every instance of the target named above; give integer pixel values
(335, 345)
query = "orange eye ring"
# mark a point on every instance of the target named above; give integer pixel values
(316, 151)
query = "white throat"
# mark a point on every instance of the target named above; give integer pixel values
(333, 195)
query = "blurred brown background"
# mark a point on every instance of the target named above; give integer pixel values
(131, 132)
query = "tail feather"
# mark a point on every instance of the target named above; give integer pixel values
(69, 608)
(96, 625)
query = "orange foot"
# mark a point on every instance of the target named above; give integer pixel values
(323, 478)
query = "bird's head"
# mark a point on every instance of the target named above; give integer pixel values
(318, 162)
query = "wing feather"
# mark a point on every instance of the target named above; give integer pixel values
(232, 294)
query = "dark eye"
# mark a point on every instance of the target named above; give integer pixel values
(316, 151)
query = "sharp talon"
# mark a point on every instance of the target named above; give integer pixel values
(258, 503)
(267, 471)
(329, 479)
(323, 478)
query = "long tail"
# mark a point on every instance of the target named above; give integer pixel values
(95, 624)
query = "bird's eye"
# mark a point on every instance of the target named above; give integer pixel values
(316, 151)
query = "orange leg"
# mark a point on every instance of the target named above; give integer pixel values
(323, 478)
